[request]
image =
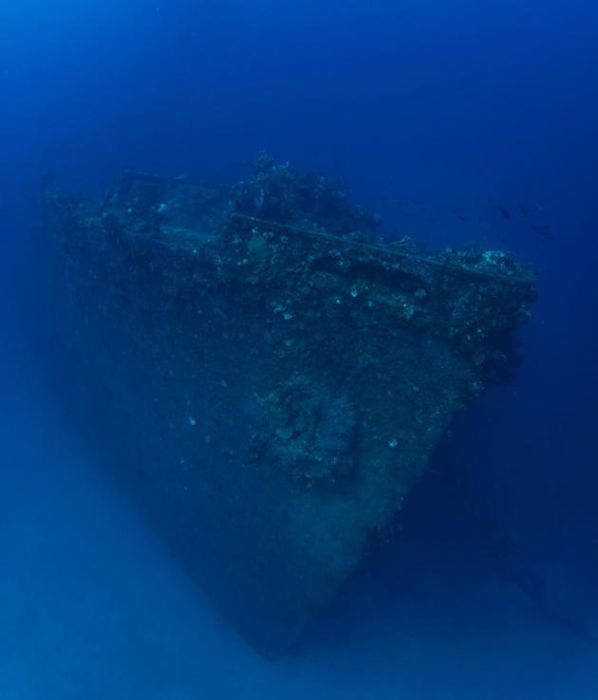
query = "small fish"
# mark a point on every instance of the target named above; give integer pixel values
(505, 213)
(545, 230)
(461, 217)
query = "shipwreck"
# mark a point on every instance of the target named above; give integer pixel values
(267, 371)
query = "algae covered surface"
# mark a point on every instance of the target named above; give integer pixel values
(272, 369)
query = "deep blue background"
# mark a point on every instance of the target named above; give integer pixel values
(460, 105)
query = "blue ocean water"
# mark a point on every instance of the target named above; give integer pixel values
(452, 121)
